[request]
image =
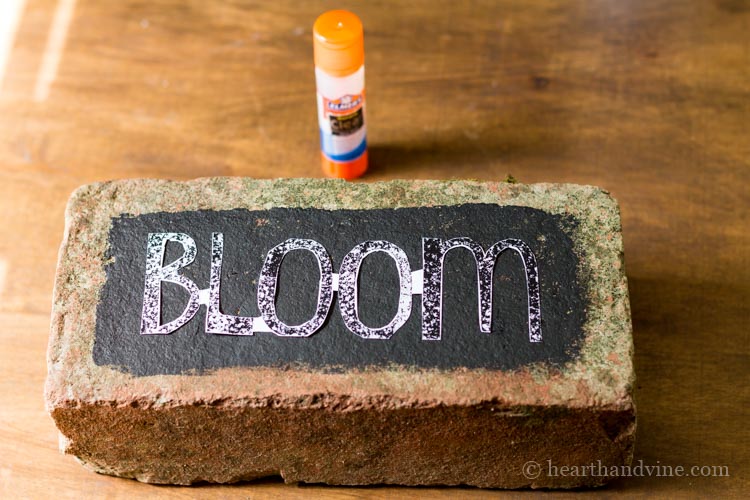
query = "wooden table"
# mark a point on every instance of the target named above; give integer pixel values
(649, 99)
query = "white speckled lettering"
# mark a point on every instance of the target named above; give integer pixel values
(433, 255)
(268, 282)
(348, 276)
(156, 272)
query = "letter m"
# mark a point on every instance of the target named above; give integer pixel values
(433, 255)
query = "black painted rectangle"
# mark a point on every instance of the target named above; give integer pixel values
(249, 235)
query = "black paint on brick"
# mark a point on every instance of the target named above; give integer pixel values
(248, 235)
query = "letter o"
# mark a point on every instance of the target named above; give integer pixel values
(348, 277)
(268, 282)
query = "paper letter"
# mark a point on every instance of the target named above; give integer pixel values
(268, 282)
(217, 322)
(433, 254)
(348, 277)
(156, 272)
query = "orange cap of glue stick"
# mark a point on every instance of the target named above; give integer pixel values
(338, 47)
(338, 43)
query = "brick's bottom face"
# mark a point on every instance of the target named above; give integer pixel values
(483, 446)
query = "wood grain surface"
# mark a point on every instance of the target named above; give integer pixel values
(647, 98)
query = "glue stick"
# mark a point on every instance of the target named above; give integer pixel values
(338, 44)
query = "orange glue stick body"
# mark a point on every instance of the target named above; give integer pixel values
(338, 44)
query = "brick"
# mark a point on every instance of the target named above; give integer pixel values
(379, 376)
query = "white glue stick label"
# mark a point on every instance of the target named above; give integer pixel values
(341, 115)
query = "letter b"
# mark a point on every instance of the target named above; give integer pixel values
(156, 272)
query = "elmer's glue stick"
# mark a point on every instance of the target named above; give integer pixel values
(340, 77)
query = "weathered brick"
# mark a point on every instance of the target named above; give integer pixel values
(415, 407)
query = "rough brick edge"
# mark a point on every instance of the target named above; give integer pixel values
(602, 377)
(483, 445)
